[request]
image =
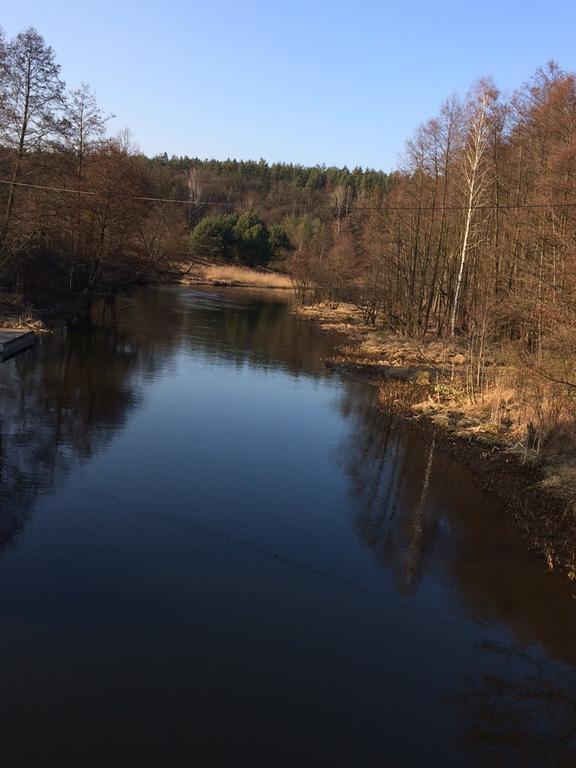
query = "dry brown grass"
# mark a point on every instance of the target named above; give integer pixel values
(534, 418)
(233, 275)
(366, 345)
(14, 314)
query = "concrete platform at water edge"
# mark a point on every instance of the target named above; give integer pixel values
(14, 340)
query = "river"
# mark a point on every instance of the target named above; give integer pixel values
(215, 552)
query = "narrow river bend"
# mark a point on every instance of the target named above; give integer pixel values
(214, 552)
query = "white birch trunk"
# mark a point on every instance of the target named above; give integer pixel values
(474, 187)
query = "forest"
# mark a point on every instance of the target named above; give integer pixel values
(84, 213)
(471, 239)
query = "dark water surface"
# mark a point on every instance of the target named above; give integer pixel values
(216, 553)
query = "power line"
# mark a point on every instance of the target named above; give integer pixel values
(93, 193)
(381, 209)
(484, 207)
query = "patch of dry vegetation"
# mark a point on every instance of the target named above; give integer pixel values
(14, 314)
(234, 275)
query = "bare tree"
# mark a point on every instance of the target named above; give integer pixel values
(82, 130)
(340, 198)
(33, 95)
(83, 126)
(3, 83)
(475, 173)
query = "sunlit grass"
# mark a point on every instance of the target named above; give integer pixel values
(230, 274)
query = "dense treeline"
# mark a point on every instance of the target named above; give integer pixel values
(82, 212)
(289, 199)
(476, 237)
(71, 223)
(276, 190)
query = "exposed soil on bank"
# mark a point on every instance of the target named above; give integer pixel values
(423, 383)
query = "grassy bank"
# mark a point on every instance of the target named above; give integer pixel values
(235, 276)
(516, 431)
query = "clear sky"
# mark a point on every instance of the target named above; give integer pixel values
(316, 81)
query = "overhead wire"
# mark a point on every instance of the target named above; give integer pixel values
(380, 209)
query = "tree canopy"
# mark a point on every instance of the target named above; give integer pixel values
(244, 238)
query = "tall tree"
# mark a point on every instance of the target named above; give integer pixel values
(83, 126)
(475, 173)
(2, 71)
(33, 96)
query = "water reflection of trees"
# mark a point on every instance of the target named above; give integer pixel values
(390, 478)
(60, 403)
(242, 327)
(413, 504)
(415, 508)
(63, 401)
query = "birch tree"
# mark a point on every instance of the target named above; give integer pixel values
(340, 203)
(475, 174)
(2, 73)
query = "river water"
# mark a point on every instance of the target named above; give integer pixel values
(215, 552)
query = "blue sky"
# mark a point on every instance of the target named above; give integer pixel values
(322, 81)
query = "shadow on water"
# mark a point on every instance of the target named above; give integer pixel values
(421, 518)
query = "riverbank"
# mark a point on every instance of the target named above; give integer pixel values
(14, 315)
(490, 431)
(427, 384)
(48, 310)
(234, 276)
